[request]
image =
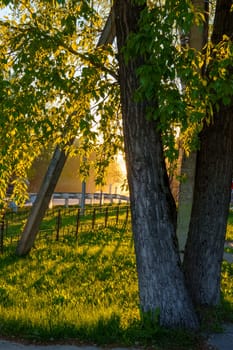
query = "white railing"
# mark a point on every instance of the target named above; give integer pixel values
(74, 198)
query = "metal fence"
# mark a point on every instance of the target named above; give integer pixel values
(61, 221)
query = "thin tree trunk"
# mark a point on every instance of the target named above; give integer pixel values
(197, 39)
(42, 201)
(54, 171)
(109, 31)
(161, 281)
(205, 245)
(185, 202)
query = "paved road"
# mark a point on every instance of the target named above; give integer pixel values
(6, 345)
(220, 341)
(223, 341)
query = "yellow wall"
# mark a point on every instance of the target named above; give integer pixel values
(70, 180)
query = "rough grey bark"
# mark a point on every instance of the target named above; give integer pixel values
(205, 245)
(161, 281)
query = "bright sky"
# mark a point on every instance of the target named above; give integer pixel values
(4, 12)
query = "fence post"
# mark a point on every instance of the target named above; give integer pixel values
(83, 197)
(77, 224)
(2, 233)
(58, 224)
(93, 218)
(66, 197)
(110, 193)
(117, 214)
(51, 202)
(5, 226)
(92, 200)
(127, 215)
(106, 217)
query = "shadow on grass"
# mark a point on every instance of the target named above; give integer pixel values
(106, 332)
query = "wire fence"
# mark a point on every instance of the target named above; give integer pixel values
(60, 222)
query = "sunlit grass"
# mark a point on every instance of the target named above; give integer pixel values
(227, 291)
(85, 289)
(68, 289)
(229, 235)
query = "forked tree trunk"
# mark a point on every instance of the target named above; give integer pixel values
(161, 281)
(205, 245)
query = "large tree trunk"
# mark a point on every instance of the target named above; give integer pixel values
(161, 281)
(205, 245)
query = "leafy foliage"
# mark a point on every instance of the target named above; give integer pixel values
(182, 86)
(57, 86)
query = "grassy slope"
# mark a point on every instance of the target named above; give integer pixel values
(85, 290)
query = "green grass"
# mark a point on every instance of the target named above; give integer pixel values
(227, 292)
(64, 289)
(85, 289)
(103, 216)
(229, 235)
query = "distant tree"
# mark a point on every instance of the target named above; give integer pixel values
(56, 84)
(74, 84)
